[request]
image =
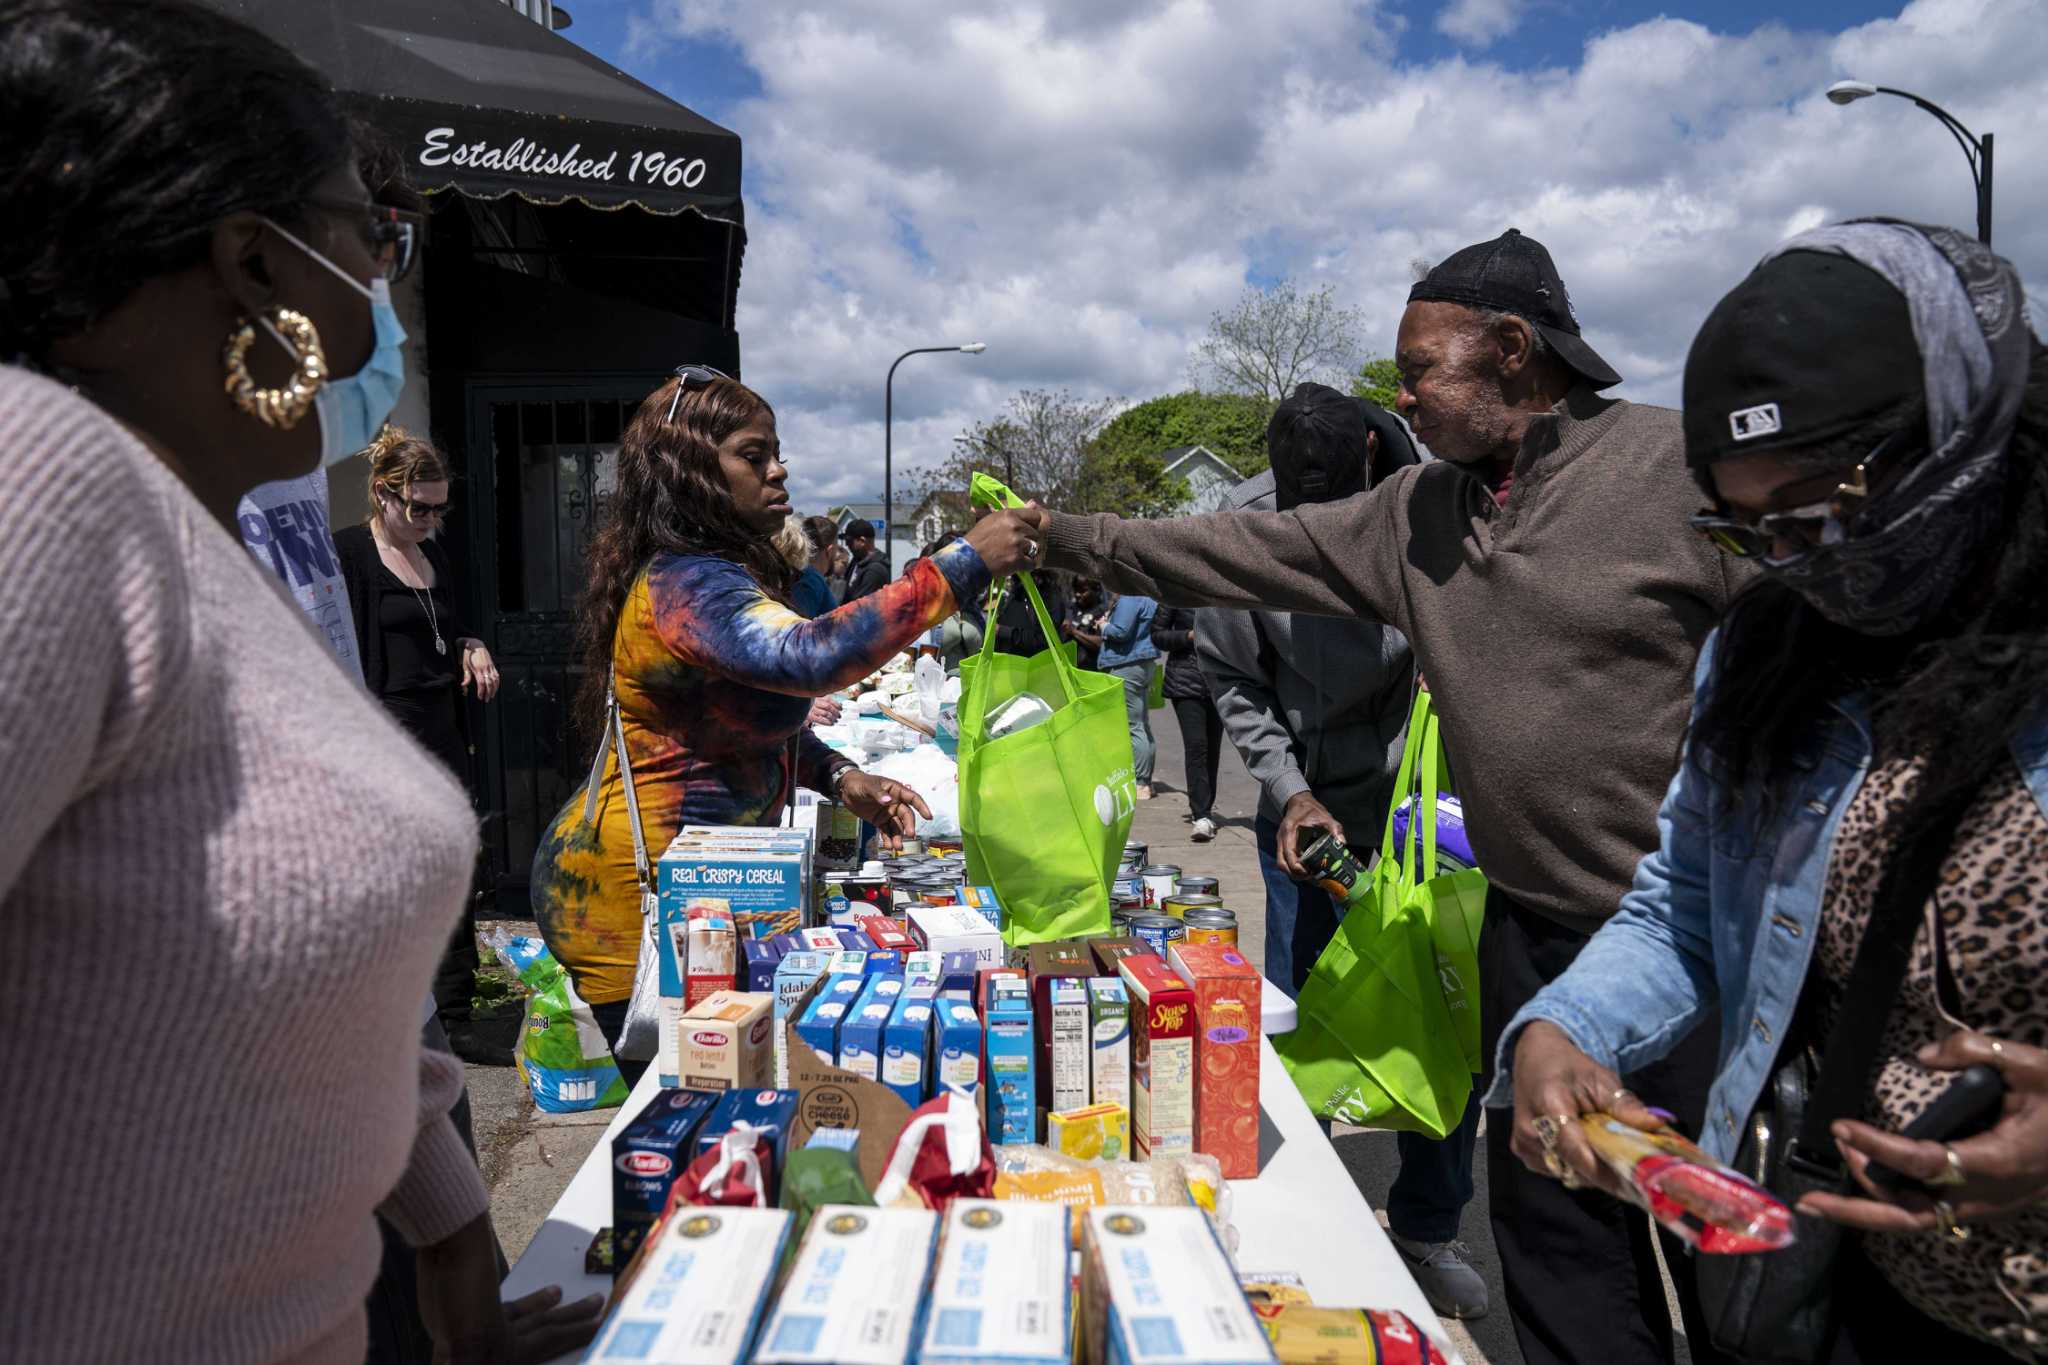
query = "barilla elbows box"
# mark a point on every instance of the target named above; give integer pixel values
(771, 1112)
(907, 1046)
(647, 1156)
(699, 1295)
(1162, 1058)
(1157, 1288)
(860, 1033)
(1109, 1039)
(1011, 1072)
(819, 1024)
(1067, 1048)
(854, 1293)
(726, 1042)
(762, 956)
(956, 1046)
(1001, 1290)
(793, 976)
(1226, 989)
(955, 929)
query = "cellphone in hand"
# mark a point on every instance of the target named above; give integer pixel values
(1969, 1106)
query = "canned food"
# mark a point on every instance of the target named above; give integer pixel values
(940, 893)
(1158, 932)
(1135, 852)
(1129, 870)
(1200, 886)
(1120, 923)
(1180, 905)
(1332, 865)
(1211, 926)
(1126, 887)
(1160, 882)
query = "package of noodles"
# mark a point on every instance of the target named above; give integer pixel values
(1706, 1204)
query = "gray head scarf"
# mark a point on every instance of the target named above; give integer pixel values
(1910, 546)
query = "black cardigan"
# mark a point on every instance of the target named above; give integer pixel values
(360, 562)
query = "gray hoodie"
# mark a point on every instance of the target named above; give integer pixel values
(1313, 703)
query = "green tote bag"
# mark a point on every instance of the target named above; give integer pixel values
(1044, 811)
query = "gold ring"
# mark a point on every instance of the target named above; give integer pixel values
(1945, 1219)
(1952, 1174)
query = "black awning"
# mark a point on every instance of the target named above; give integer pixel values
(489, 103)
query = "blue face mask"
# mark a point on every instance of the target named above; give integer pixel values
(352, 410)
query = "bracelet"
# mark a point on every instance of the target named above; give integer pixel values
(838, 778)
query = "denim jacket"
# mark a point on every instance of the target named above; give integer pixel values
(1723, 913)
(1127, 635)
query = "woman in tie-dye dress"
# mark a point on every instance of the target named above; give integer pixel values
(688, 603)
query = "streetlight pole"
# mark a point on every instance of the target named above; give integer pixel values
(1977, 150)
(888, 432)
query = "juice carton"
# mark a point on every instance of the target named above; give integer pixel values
(1110, 951)
(885, 933)
(1226, 989)
(955, 928)
(700, 1294)
(1067, 1050)
(1157, 1286)
(1109, 1036)
(921, 968)
(820, 1021)
(793, 976)
(956, 1046)
(647, 1156)
(725, 1042)
(860, 1033)
(907, 1046)
(773, 1112)
(1162, 1059)
(1001, 1290)
(1098, 1132)
(982, 900)
(785, 944)
(853, 1293)
(762, 957)
(1011, 1071)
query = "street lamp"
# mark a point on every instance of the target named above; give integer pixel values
(1976, 149)
(888, 422)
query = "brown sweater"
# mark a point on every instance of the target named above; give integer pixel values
(1558, 632)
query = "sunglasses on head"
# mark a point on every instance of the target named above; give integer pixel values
(693, 377)
(1812, 526)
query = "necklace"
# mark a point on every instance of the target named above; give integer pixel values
(426, 601)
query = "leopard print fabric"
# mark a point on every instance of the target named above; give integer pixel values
(1993, 903)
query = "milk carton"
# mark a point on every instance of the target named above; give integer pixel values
(699, 1295)
(647, 1156)
(1109, 1036)
(726, 1042)
(907, 1046)
(956, 1046)
(1000, 1292)
(1012, 1081)
(1162, 1059)
(820, 940)
(860, 1034)
(1068, 1045)
(956, 971)
(955, 928)
(1226, 991)
(1158, 1288)
(848, 962)
(793, 976)
(819, 1024)
(853, 1294)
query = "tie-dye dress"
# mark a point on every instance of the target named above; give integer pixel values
(715, 678)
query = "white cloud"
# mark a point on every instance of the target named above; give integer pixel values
(1480, 23)
(1081, 183)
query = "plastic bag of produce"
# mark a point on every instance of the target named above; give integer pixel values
(561, 1050)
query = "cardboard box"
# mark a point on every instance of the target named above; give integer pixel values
(773, 1112)
(1096, 1132)
(907, 1046)
(1109, 1037)
(1046, 963)
(1110, 951)
(699, 1293)
(1156, 1286)
(727, 1042)
(956, 1046)
(853, 1294)
(848, 962)
(955, 929)
(1001, 1290)
(793, 976)
(984, 902)
(921, 968)
(986, 979)
(713, 948)
(830, 1097)
(860, 1033)
(762, 875)
(885, 933)
(1226, 989)
(957, 972)
(761, 957)
(647, 1156)
(672, 974)
(1011, 1070)
(1068, 1048)
(820, 940)
(1162, 1058)
(818, 1025)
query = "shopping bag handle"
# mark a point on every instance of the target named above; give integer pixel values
(1411, 753)
(985, 491)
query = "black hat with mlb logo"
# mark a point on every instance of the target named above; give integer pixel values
(1514, 274)
(1810, 348)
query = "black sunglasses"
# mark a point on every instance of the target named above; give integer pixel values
(1809, 525)
(425, 511)
(393, 234)
(693, 377)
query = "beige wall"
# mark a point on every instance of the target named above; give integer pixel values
(348, 483)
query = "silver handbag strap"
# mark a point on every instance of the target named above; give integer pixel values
(615, 737)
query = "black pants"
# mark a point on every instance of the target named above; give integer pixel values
(433, 717)
(1580, 1269)
(611, 1022)
(1877, 1327)
(1201, 742)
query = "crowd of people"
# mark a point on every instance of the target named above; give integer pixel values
(1745, 703)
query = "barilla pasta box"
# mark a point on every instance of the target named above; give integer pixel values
(819, 1024)
(854, 1293)
(647, 1156)
(726, 1042)
(885, 933)
(921, 968)
(1110, 951)
(907, 1046)
(956, 1046)
(772, 1112)
(1001, 1290)
(1162, 1058)
(1067, 1048)
(982, 901)
(955, 929)
(1109, 1041)
(1226, 990)
(1157, 1288)
(1011, 1079)
(761, 956)
(698, 1295)
(860, 1033)
(793, 976)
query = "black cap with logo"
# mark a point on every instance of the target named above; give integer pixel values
(1514, 274)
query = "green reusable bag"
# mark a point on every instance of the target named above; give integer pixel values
(1454, 903)
(1044, 811)
(1377, 1044)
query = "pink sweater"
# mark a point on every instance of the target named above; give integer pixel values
(225, 879)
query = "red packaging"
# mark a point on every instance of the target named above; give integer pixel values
(732, 1172)
(1226, 990)
(1356, 1336)
(941, 1155)
(1162, 1058)
(1705, 1203)
(885, 933)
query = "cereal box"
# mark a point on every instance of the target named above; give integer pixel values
(1109, 1037)
(725, 1042)
(1157, 1287)
(763, 875)
(955, 928)
(647, 1156)
(853, 1294)
(1068, 1048)
(1162, 1059)
(1226, 989)
(1001, 1291)
(698, 1296)
(907, 1046)
(1097, 1132)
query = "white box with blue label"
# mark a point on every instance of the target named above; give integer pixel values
(819, 1024)
(699, 1293)
(853, 1294)
(1158, 1289)
(1000, 1295)
(955, 929)
(907, 1046)
(860, 1033)
(956, 1046)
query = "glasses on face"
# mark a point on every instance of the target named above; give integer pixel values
(1808, 527)
(419, 513)
(393, 235)
(693, 377)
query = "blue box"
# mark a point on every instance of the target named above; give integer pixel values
(820, 1021)
(785, 944)
(771, 1111)
(884, 962)
(907, 1047)
(852, 938)
(1012, 1081)
(956, 1046)
(957, 971)
(761, 961)
(647, 1156)
(982, 900)
(860, 1033)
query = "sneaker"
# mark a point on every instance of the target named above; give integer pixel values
(1144, 791)
(1444, 1272)
(1204, 830)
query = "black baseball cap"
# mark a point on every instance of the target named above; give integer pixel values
(1810, 347)
(1514, 274)
(1318, 439)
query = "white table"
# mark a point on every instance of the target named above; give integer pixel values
(1303, 1214)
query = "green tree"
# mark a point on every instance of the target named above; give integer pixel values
(1379, 380)
(1231, 424)
(1128, 483)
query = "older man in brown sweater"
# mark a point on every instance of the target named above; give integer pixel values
(1556, 599)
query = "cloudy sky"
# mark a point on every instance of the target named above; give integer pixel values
(1082, 183)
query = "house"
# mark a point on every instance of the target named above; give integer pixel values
(944, 511)
(1209, 476)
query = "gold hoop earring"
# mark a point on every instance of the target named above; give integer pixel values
(283, 407)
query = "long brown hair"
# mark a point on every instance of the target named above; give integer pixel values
(672, 499)
(399, 459)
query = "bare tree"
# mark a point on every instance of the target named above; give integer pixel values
(1038, 447)
(1276, 338)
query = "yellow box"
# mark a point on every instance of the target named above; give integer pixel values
(1099, 1132)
